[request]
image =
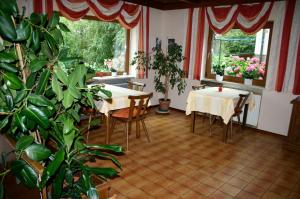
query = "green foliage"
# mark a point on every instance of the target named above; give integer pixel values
(167, 71)
(40, 101)
(98, 41)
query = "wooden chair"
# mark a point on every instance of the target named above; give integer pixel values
(237, 112)
(136, 86)
(137, 112)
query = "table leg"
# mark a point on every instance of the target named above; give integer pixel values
(107, 140)
(246, 107)
(193, 118)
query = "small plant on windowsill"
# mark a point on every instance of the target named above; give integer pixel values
(219, 70)
(140, 60)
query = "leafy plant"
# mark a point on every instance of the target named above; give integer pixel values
(167, 71)
(140, 60)
(40, 103)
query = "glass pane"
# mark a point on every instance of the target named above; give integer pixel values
(100, 44)
(236, 53)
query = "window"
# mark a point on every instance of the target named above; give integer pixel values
(102, 45)
(225, 49)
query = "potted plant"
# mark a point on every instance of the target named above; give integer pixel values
(168, 73)
(40, 103)
(249, 69)
(114, 72)
(219, 70)
(140, 60)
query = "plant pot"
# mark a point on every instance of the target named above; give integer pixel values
(114, 74)
(140, 74)
(219, 78)
(164, 105)
(248, 82)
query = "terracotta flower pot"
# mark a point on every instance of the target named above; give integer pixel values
(164, 105)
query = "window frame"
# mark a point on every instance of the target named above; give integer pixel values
(208, 67)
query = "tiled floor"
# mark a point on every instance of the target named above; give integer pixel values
(179, 164)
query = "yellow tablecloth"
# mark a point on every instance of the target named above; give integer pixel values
(119, 99)
(210, 100)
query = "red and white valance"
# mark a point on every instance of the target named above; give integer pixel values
(126, 13)
(247, 17)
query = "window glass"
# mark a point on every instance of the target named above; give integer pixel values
(240, 55)
(100, 44)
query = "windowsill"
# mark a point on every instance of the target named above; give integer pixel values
(255, 89)
(113, 77)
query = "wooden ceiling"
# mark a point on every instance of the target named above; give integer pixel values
(180, 4)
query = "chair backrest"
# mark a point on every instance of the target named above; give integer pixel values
(136, 86)
(198, 87)
(138, 105)
(241, 103)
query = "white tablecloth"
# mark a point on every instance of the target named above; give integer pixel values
(119, 99)
(210, 100)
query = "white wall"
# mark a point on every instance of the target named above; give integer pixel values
(273, 109)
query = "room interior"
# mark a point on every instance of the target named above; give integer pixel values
(260, 160)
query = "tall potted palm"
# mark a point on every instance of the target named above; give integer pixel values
(40, 103)
(168, 73)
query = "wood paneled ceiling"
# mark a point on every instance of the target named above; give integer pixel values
(180, 4)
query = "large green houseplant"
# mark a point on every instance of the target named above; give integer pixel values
(40, 103)
(168, 73)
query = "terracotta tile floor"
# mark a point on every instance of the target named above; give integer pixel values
(179, 164)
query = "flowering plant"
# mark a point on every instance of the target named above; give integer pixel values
(248, 69)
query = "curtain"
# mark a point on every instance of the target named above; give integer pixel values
(186, 62)
(250, 18)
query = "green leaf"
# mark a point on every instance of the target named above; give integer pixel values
(9, 102)
(36, 40)
(106, 92)
(46, 50)
(51, 169)
(23, 31)
(20, 122)
(37, 152)
(35, 19)
(25, 173)
(7, 28)
(7, 57)
(31, 80)
(37, 115)
(68, 99)
(1, 191)
(74, 92)
(106, 172)
(54, 20)
(37, 64)
(12, 81)
(24, 142)
(57, 88)
(8, 67)
(51, 43)
(9, 7)
(4, 122)
(76, 75)
(40, 100)
(90, 99)
(102, 155)
(91, 192)
(113, 147)
(42, 83)
(61, 75)
(20, 96)
(63, 27)
(57, 184)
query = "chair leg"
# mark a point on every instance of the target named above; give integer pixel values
(231, 128)
(138, 130)
(210, 125)
(127, 136)
(129, 130)
(113, 123)
(146, 131)
(239, 122)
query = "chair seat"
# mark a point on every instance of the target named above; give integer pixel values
(124, 113)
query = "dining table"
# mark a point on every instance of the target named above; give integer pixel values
(217, 102)
(118, 100)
